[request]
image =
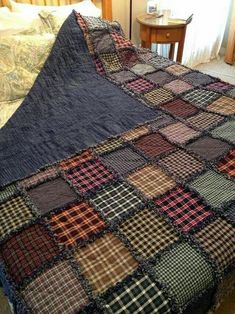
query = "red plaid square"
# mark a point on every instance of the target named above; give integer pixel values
(185, 209)
(227, 164)
(140, 85)
(89, 175)
(120, 41)
(76, 160)
(99, 66)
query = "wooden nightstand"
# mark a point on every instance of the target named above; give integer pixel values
(163, 31)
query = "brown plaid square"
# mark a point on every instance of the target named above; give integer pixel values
(158, 96)
(180, 108)
(148, 233)
(151, 181)
(28, 251)
(128, 57)
(177, 69)
(49, 173)
(227, 164)
(217, 239)
(204, 120)
(135, 133)
(105, 262)
(55, 291)
(178, 86)
(77, 222)
(76, 160)
(224, 105)
(111, 61)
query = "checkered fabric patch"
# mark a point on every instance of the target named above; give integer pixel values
(219, 86)
(55, 291)
(224, 105)
(227, 164)
(181, 165)
(204, 120)
(179, 133)
(160, 62)
(178, 86)
(185, 209)
(160, 77)
(94, 23)
(231, 93)
(177, 69)
(148, 233)
(200, 97)
(185, 272)
(208, 147)
(225, 131)
(111, 61)
(108, 146)
(128, 57)
(142, 68)
(7, 192)
(77, 222)
(139, 296)
(116, 199)
(140, 85)
(28, 251)
(105, 262)
(123, 160)
(153, 145)
(123, 76)
(197, 78)
(210, 183)
(120, 41)
(76, 160)
(160, 121)
(89, 175)
(49, 173)
(101, 41)
(13, 214)
(151, 181)
(99, 66)
(230, 212)
(180, 108)
(158, 96)
(217, 239)
(90, 44)
(135, 133)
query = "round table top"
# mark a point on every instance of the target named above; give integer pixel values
(163, 21)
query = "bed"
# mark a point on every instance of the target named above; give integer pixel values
(117, 182)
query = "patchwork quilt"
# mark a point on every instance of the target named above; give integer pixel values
(117, 182)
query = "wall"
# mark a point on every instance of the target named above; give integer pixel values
(225, 39)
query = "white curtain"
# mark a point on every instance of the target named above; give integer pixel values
(205, 33)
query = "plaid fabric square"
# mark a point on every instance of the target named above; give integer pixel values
(76, 160)
(89, 175)
(108, 146)
(135, 133)
(204, 120)
(200, 97)
(219, 86)
(7, 192)
(123, 76)
(185, 209)
(224, 105)
(142, 68)
(123, 160)
(227, 164)
(181, 165)
(139, 296)
(160, 77)
(230, 212)
(105, 262)
(94, 23)
(177, 69)
(162, 120)
(102, 41)
(55, 291)
(99, 66)
(178, 86)
(28, 251)
(78, 222)
(180, 108)
(217, 239)
(160, 62)
(49, 173)
(116, 199)
(158, 96)
(153, 145)
(179, 133)
(13, 214)
(111, 61)
(208, 147)
(128, 57)
(231, 93)
(185, 272)
(197, 78)
(151, 181)
(210, 183)
(226, 131)
(120, 41)
(140, 85)
(148, 233)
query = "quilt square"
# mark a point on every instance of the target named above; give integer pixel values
(160, 62)
(185, 272)
(224, 105)
(7, 192)
(230, 212)
(27, 251)
(181, 165)
(225, 131)
(89, 175)
(13, 214)
(160, 77)
(204, 120)
(184, 208)
(139, 296)
(151, 181)
(108, 146)
(102, 41)
(160, 121)
(77, 222)
(99, 66)
(178, 86)
(231, 93)
(116, 199)
(198, 78)
(123, 76)
(208, 148)
(55, 291)
(219, 86)
(208, 185)
(217, 238)
(135, 133)
(148, 233)
(179, 133)
(153, 145)
(142, 68)
(76, 160)
(158, 96)
(180, 108)
(227, 164)
(200, 97)
(123, 160)
(105, 262)
(140, 85)
(177, 69)
(111, 61)
(128, 57)
(120, 41)
(51, 194)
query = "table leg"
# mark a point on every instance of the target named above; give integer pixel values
(172, 51)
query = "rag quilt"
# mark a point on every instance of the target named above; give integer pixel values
(117, 182)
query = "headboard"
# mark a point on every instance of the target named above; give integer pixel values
(106, 5)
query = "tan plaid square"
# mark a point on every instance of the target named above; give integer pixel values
(105, 262)
(178, 86)
(151, 181)
(158, 96)
(108, 146)
(224, 105)
(177, 69)
(135, 133)
(204, 120)
(111, 61)
(76, 160)
(148, 233)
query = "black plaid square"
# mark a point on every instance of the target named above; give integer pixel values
(201, 98)
(139, 296)
(197, 78)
